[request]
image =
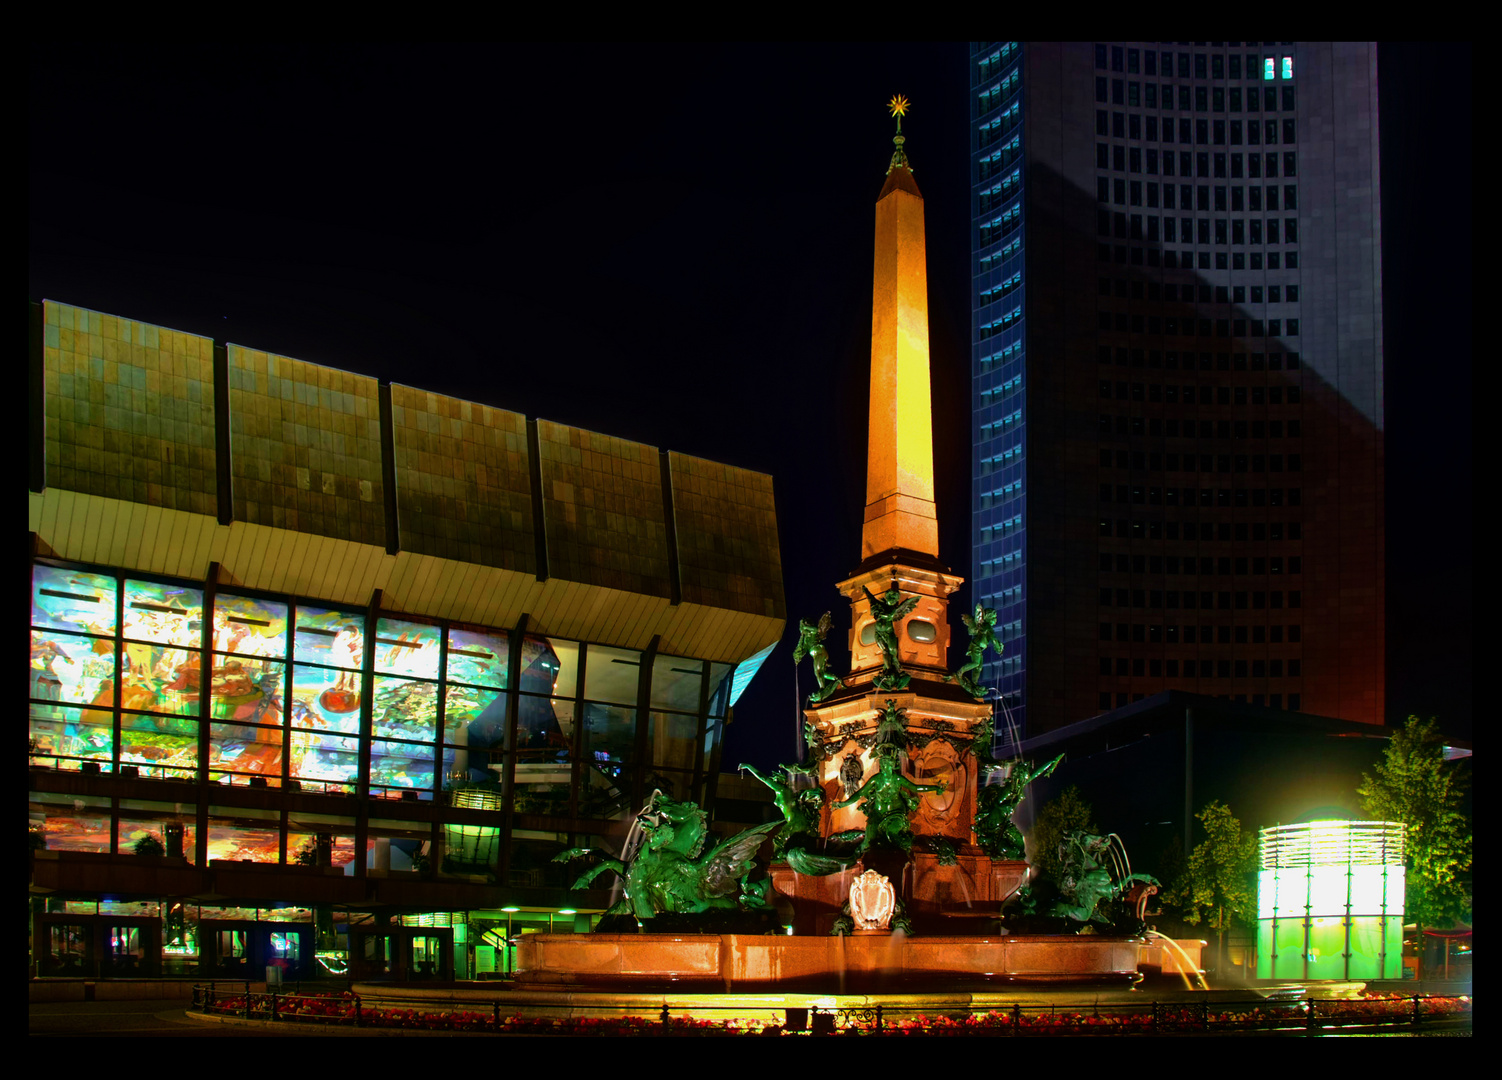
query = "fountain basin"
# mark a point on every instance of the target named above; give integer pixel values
(759, 962)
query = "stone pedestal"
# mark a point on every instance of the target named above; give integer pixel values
(975, 885)
(973, 888)
(816, 901)
(862, 963)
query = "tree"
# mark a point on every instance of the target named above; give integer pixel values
(1414, 784)
(1059, 816)
(1219, 883)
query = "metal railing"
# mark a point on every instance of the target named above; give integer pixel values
(1307, 1016)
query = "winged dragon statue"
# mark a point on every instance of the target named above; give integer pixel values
(670, 870)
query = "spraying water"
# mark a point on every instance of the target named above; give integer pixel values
(1185, 965)
(629, 847)
(965, 888)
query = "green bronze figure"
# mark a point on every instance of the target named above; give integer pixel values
(982, 637)
(817, 750)
(982, 735)
(995, 832)
(892, 728)
(1085, 880)
(811, 644)
(812, 863)
(800, 809)
(671, 872)
(885, 612)
(888, 800)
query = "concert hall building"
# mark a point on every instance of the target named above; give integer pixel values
(444, 642)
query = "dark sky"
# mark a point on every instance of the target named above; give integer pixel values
(673, 245)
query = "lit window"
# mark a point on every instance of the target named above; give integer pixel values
(1287, 67)
(1269, 68)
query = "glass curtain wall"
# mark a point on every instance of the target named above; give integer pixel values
(302, 695)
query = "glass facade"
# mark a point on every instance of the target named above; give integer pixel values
(998, 240)
(341, 700)
(1154, 334)
(329, 740)
(295, 631)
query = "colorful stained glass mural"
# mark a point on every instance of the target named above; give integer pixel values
(401, 765)
(155, 678)
(330, 760)
(167, 614)
(477, 658)
(287, 697)
(246, 691)
(248, 841)
(244, 749)
(67, 667)
(71, 733)
(407, 648)
(250, 627)
(404, 709)
(332, 638)
(72, 600)
(165, 746)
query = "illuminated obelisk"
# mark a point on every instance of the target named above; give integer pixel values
(900, 534)
(900, 455)
(898, 652)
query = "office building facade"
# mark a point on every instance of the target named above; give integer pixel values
(443, 643)
(1177, 361)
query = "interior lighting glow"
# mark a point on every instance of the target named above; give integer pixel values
(1330, 901)
(1287, 67)
(476, 799)
(1269, 68)
(746, 671)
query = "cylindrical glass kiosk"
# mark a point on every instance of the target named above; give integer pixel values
(1330, 901)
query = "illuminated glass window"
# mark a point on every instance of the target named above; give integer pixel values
(407, 648)
(170, 824)
(331, 638)
(244, 834)
(70, 823)
(1269, 68)
(247, 689)
(72, 600)
(288, 698)
(165, 614)
(1287, 67)
(250, 627)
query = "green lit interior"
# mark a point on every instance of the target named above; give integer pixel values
(1324, 915)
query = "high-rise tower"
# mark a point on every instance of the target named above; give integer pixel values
(1177, 360)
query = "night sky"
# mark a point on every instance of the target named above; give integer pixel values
(672, 245)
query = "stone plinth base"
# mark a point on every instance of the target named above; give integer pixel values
(974, 887)
(816, 900)
(865, 963)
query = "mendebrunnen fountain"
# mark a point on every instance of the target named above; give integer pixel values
(896, 850)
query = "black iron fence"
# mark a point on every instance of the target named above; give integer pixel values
(1305, 1015)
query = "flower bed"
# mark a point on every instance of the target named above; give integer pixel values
(1137, 1019)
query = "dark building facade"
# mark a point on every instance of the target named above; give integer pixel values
(325, 671)
(1178, 374)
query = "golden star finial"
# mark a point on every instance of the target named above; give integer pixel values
(898, 107)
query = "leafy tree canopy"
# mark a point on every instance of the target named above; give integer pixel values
(1414, 784)
(1219, 882)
